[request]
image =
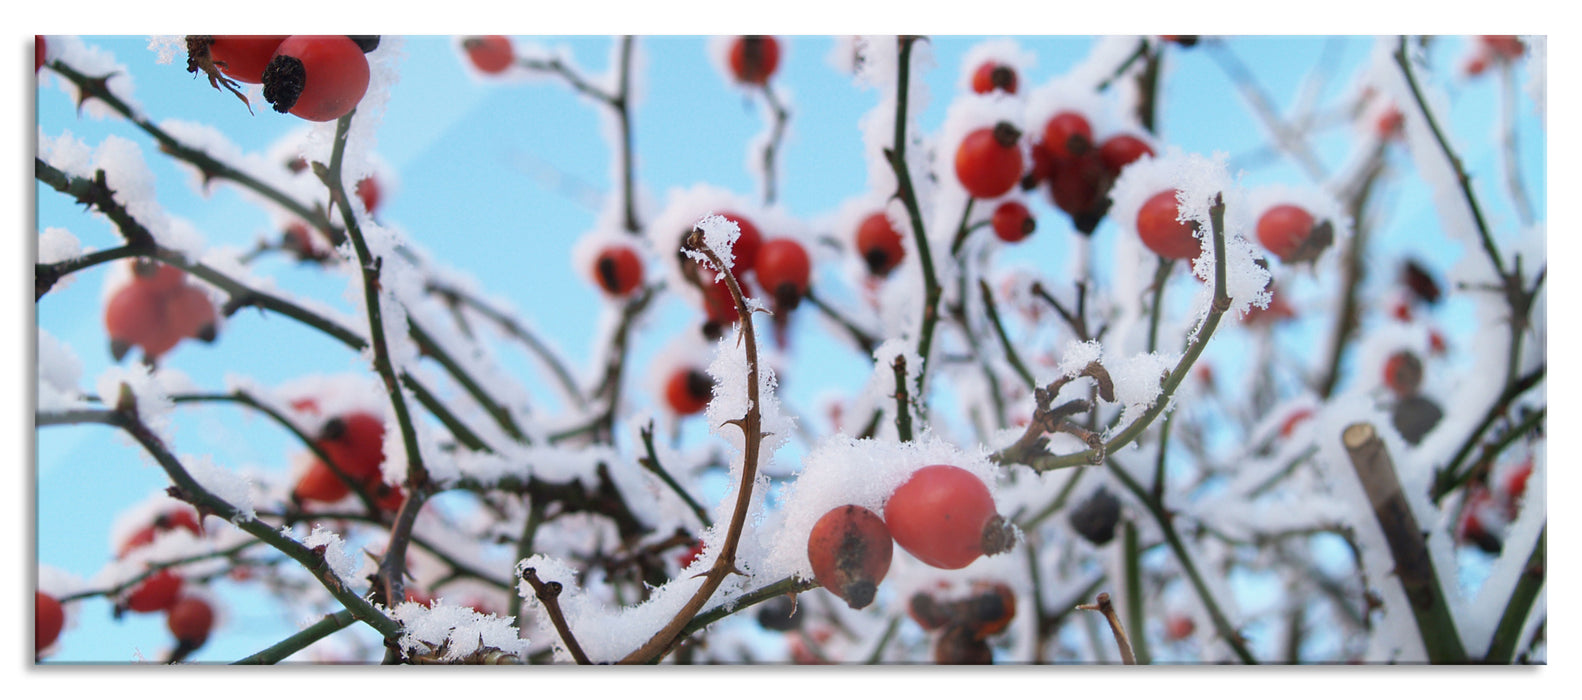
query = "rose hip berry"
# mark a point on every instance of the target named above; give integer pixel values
(190, 620)
(179, 517)
(1162, 233)
(993, 76)
(618, 270)
(48, 620)
(944, 516)
(240, 57)
(1012, 222)
(1282, 229)
(355, 442)
(689, 391)
(754, 59)
(1123, 150)
(988, 161)
(155, 593)
(320, 484)
(1067, 134)
(849, 548)
(319, 78)
(783, 269)
(490, 54)
(879, 244)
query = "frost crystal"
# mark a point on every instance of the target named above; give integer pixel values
(347, 565)
(454, 633)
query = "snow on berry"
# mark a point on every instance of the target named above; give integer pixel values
(1003, 51)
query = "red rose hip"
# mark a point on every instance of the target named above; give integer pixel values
(190, 620)
(319, 78)
(944, 516)
(1282, 229)
(989, 162)
(783, 269)
(1068, 134)
(993, 76)
(1012, 222)
(155, 593)
(490, 54)
(618, 270)
(48, 620)
(689, 391)
(1162, 233)
(879, 244)
(849, 548)
(754, 58)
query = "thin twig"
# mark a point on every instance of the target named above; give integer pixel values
(1464, 180)
(125, 417)
(1204, 332)
(781, 115)
(651, 463)
(1011, 355)
(549, 595)
(282, 650)
(1108, 609)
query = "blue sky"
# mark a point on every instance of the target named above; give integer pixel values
(458, 146)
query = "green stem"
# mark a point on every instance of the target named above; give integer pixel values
(283, 650)
(1507, 635)
(1005, 340)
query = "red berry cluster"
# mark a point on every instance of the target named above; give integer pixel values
(156, 310)
(780, 267)
(1078, 171)
(355, 443)
(943, 515)
(188, 615)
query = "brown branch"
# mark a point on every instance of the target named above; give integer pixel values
(549, 595)
(1108, 609)
(751, 425)
(1414, 567)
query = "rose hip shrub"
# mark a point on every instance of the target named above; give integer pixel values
(634, 315)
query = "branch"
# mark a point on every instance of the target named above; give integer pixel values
(651, 463)
(1005, 341)
(1414, 567)
(1205, 331)
(549, 595)
(1108, 609)
(210, 167)
(897, 157)
(1462, 178)
(282, 650)
(125, 417)
(1502, 648)
(751, 425)
(392, 568)
(781, 115)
